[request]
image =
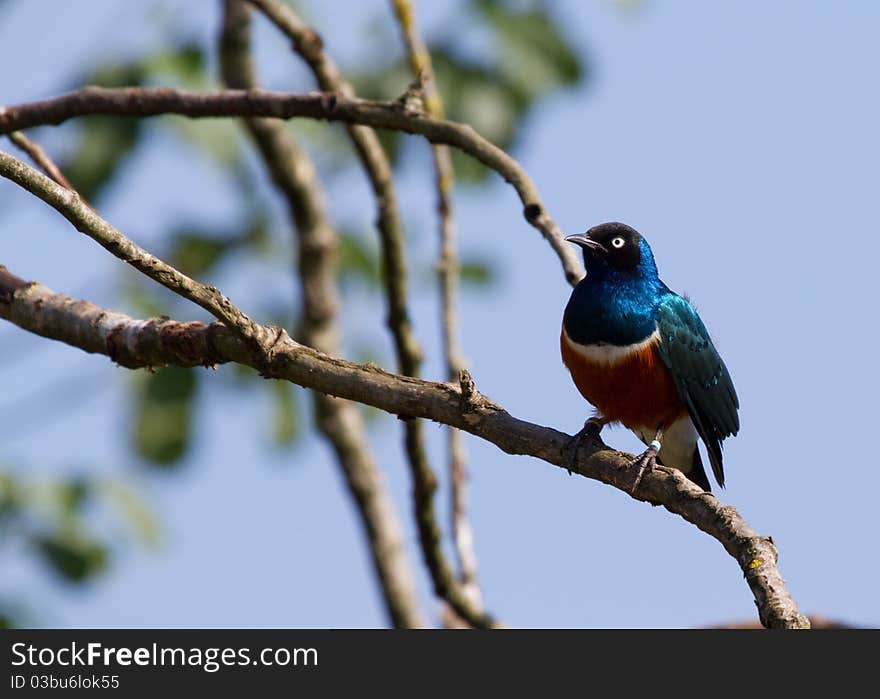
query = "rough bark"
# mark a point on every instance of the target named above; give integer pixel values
(151, 343)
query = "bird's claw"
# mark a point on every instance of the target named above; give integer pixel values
(590, 430)
(592, 427)
(643, 463)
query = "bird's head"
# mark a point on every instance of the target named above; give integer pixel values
(615, 246)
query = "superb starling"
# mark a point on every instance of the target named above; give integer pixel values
(641, 355)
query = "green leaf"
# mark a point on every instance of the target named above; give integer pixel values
(184, 64)
(74, 557)
(73, 494)
(535, 56)
(476, 272)
(163, 415)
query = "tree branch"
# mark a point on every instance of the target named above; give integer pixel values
(156, 342)
(339, 421)
(145, 102)
(40, 158)
(307, 43)
(70, 205)
(394, 275)
(448, 272)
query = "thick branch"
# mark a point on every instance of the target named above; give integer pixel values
(317, 243)
(138, 343)
(144, 102)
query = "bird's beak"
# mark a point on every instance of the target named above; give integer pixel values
(586, 242)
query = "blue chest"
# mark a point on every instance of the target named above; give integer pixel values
(608, 309)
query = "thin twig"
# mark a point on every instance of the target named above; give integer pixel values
(317, 243)
(145, 102)
(372, 155)
(159, 341)
(40, 158)
(307, 43)
(448, 273)
(70, 205)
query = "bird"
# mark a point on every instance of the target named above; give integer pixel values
(641, 355)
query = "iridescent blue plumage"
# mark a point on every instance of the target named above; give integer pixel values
(614, 306)
(621, 312)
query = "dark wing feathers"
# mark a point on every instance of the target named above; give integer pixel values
(702, 380)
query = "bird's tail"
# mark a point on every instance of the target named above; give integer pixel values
(697, 473)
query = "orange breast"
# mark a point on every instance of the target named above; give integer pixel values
(635, 389)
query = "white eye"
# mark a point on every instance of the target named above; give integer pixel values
(618, 242)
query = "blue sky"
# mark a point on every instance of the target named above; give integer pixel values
(740, 138)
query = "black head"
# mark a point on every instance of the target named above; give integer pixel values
(614, 244)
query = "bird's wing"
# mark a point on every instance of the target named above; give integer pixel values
(702, 380)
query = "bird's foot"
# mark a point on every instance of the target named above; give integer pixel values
(643, 463)
(591, 428)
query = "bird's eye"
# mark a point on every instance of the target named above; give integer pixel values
(618, 242)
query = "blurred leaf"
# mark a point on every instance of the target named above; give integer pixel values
(286, 423)
(10, 499)
(134, 510)
(481, 97)
(196, 251)
(72, 495)
(105, 141)
(531, 58)
(475, 272)
(358, 259)
(163, 415)
(74, 557)
(103, 144)
(184, 64)
(220, 139)
(535, 56)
